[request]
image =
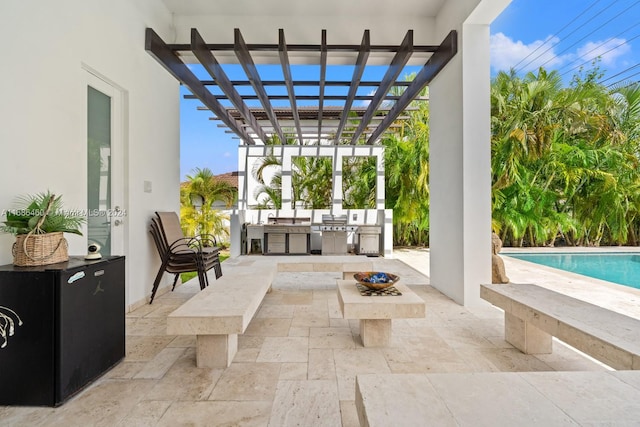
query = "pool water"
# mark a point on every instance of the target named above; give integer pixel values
(621, 268)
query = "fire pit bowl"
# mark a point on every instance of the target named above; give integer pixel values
(376, 279)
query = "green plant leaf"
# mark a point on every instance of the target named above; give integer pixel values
(29, 211)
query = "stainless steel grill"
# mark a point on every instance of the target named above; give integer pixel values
(334, 220)
(334, 234)
(368, 229)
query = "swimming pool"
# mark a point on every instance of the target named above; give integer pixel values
(621, 268)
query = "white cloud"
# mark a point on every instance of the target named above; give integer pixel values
(506, 53)
(366, 102)
(226, 154)
(608, 51)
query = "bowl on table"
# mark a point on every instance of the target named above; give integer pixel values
(376, 279)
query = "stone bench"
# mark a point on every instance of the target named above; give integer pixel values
(498, 399)
(329, 266)
(219, 313)
(534, 314)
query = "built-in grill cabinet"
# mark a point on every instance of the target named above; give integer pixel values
(334, 234)
(368, 240)
(287, 239)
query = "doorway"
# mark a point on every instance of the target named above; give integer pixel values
(106, 213)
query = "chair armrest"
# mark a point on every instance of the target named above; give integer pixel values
(208, 240)
(185, 245)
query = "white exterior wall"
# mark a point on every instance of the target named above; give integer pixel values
(43, 110)
(460, 156)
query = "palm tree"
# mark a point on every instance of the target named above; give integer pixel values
(407, 177)
(564, 160)
(268, 194)
(312, 182)
(201, 217)
(359, 176)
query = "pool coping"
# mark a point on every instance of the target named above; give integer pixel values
(619, 298)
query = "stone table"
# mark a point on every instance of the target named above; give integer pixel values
(375, 312)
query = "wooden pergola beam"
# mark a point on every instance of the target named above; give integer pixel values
(178, 69)
(213, 67)
(322, 82)
(398, 62)
(351, 123)
(314, 97)
(447, 50)
(342, 48)
(244, 56)
(313, 83)
(361, 61)
(286, 71)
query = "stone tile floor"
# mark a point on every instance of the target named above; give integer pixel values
(296, 363)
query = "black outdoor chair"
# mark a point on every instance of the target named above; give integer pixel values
(180, 254)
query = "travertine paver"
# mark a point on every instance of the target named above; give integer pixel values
(498, 399)
(450, 338)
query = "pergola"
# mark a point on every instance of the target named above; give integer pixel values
(346, 123)
(448, 40)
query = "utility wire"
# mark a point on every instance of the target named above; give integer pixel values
(624, 80)
(588, 34)
(602, 54)
(556, 33)
(572, 32)
(621, 72)
(599, 46)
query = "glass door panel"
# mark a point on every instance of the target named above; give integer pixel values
(99, 127)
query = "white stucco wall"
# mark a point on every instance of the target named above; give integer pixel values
(43, 132)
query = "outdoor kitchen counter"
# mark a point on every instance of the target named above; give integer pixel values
(282, 239)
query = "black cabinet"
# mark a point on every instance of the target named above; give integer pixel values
(61, 326)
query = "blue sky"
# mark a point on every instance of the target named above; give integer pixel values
(568, 34)
(557, 34)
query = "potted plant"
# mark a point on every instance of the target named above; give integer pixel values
(38, 223)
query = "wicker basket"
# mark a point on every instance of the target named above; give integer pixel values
(40, 249)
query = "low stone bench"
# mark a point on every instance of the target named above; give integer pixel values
(498, 399)
(533, 314)
(329, 266)
(218, 313)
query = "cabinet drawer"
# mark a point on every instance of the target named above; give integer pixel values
(275, 248)
(276, 238)
(298, 243)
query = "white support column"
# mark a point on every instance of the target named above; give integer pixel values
(237, 217)
(243, 182)
(336, 191)
(460, 174)
(287, 190)
(380, 180)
